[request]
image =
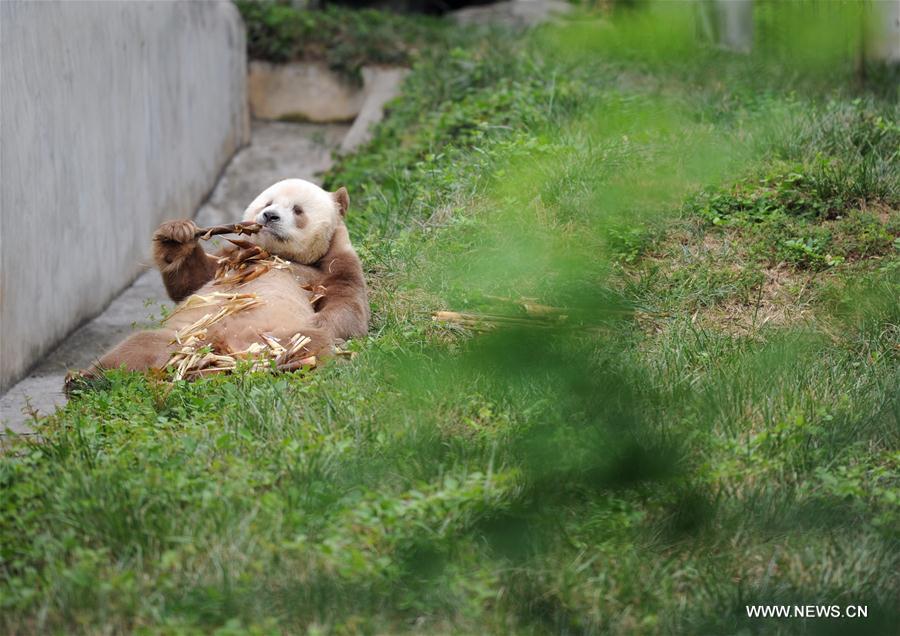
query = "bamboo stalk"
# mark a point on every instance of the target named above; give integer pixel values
(467, 319)
(245, 227)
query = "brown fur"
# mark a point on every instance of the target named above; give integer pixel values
(140, 351)
(344, 311)
(184, 265)
(186, 269)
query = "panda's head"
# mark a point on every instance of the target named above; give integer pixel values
(298, 218)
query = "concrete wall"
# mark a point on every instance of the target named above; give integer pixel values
(114, 116)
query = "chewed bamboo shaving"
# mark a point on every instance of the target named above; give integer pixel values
(284, 355)
(246, 263)
(231, 304)
(318, 293)
(196, 358)
(237, 302)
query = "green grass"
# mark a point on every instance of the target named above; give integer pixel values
(714, 422)
(345, 39)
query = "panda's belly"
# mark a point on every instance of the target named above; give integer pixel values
(283, 310)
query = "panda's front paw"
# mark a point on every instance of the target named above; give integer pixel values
(181, 232)
(174, 241)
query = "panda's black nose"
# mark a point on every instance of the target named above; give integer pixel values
(268, 215)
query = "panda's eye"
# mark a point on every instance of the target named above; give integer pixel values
(298, 210)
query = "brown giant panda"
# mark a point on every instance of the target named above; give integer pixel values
(309, 294)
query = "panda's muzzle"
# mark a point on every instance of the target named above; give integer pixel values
(272, 221)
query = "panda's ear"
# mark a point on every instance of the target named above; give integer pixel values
(342, 199)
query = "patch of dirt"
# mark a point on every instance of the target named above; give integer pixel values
(782, 300)
(782, 297)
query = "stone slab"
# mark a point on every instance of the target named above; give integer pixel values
(382, 85)
(302, 90)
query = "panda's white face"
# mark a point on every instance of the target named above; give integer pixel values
(298, 218)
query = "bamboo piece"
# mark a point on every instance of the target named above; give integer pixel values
(246, 263)
(194, 360)
(484, 321)
(318, 293)
(244, 227)
(214, 299)
(196, 357)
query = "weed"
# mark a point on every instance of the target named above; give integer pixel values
(344, 39)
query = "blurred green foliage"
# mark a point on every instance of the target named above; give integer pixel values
(664, 444)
